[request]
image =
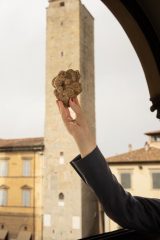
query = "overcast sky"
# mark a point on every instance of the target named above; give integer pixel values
(122, 97)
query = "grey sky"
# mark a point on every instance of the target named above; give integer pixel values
(122, 98)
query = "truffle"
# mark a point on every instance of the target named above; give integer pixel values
(67, 85)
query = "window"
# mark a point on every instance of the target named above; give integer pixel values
(3, 196)
(61, 158)
(62, 4)
(76, 224)
(26, 197)
(47, 220)
(61, 196)
(3, 168)
(61, 199)
(156, 180)
(126, 180)
(26, 167)
(155, 138)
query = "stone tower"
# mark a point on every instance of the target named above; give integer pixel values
(70, 208)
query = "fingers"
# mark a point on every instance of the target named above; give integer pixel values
(74, 104)
(76, 101)
(65, 113)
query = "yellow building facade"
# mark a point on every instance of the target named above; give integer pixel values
(20, 188)
(138, 171)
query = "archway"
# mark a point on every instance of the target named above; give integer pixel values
(141, 22)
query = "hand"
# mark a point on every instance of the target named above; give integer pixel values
(78, 127)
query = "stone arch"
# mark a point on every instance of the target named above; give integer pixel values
(3, 225)
(24, 227)
(141, 22)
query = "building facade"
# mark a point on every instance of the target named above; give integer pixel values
(21, 188)
(70, 208)
(21, 180)
(138, 171)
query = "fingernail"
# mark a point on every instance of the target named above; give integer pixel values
(72, 100)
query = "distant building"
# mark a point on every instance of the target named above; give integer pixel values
(154, 138)
(20, 188)
(138, 171)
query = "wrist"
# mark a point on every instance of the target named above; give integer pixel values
(86, 149)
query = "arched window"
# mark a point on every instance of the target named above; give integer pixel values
(61, 158)
(23, 227)
(61, 196)
(61, 199)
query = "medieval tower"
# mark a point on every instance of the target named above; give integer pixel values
(70, 208)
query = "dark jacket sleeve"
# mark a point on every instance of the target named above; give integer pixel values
(128, 211)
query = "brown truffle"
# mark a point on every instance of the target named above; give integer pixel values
(67, 85)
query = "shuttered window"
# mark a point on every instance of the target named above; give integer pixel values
(126, 180)
(26, 197)
(156, 180)
(3, 168)
(3, 197)
(26, 167)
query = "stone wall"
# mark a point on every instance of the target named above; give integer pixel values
(69, 44)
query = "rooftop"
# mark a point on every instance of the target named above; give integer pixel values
(22, 144)
(145, 155)
(154, 133)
